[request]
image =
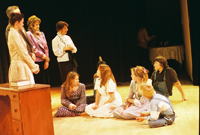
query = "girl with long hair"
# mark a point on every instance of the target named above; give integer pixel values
(107, 98)
(73, 97)
(135, 102)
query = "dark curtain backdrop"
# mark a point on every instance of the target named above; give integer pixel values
(98, 28)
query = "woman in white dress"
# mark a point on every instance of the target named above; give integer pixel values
(107, 98)
(135, 102)
(22, 66)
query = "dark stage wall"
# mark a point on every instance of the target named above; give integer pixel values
(98, 28)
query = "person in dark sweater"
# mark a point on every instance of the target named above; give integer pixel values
(164, 77)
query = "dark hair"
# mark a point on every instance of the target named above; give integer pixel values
(60, 25)
(15, 17)
(10, 9)
(100, 62)
(162, 60)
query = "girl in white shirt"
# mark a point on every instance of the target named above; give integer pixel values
(107, 98)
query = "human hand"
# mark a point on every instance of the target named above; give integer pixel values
(185, 99)
(127, 105)
(131, 101)
(46, 65)
(95, 107)
(143, 114)
(126, 100)
(72, 106)
(69, 47)
(47, 59)
(33, 56)
(140, 119)
(36, 70)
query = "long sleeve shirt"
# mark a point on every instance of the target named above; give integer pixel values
(77, 97)
(58, 43)
(159, 107)
(39, 45)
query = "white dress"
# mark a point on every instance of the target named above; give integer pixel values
(21, 63)
(107, 109)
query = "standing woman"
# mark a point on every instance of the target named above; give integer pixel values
(73, 97)
(38, 40)
(135, 102)
(107, 98)
(62, 46)
(22, 65)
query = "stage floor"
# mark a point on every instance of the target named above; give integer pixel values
(187, 122)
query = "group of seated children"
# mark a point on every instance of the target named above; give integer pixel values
(145, 101)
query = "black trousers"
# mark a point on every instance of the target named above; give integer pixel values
(42, 77)
(65, 68)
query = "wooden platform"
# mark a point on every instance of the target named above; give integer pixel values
(187, 122)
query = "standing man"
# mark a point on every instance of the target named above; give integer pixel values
(15, 9)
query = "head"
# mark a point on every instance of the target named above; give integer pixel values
(17, 19)
(139, 72)
(62, 27)
(160, 62)
(12, 9)
(34, 24)
(105, 73)
(147, 90)
(71, 80)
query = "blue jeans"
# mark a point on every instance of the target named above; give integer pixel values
(159, 122)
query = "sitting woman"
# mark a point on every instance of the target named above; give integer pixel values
(135, 102)
(107, 98)
(73, 97)
(38, 40)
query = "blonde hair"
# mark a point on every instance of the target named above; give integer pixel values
(147, 90)
(141, 72)
(10, 10)
(31, 21)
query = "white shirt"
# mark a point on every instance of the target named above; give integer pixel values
(58, 45)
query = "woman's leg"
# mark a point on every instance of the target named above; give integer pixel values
(64, 112)
(117, 112)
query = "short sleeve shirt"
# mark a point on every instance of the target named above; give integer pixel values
(171, 78)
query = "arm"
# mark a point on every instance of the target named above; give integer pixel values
(36, 46)
(179, 86)
(112, 97)
(64, 99)
(97, 97)
(82, 99)
(132, 90)
(22, 50)
(146, 36)
(57, 47)
(46, 51)
(71, 45)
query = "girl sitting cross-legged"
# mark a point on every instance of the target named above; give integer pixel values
(135, 102)
(107, 98)
(73, 97)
